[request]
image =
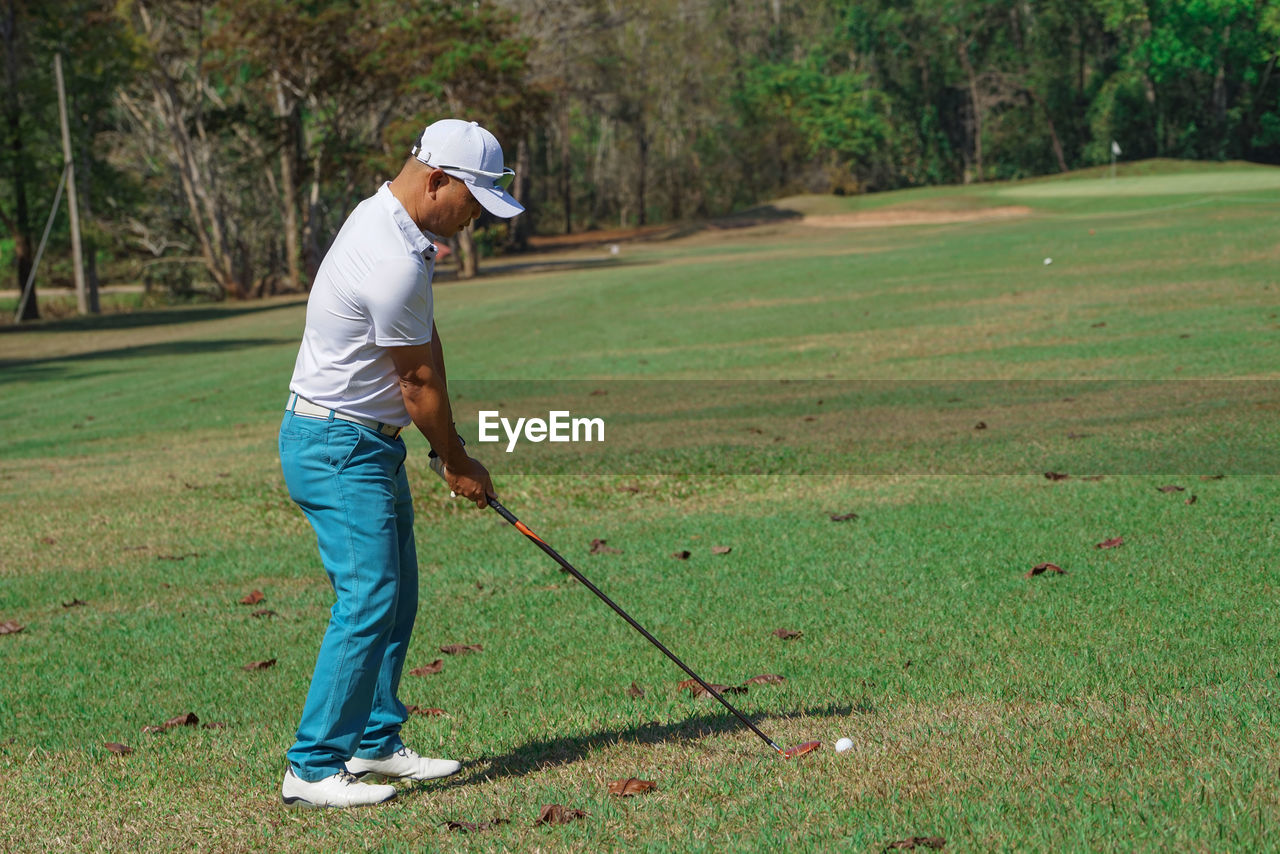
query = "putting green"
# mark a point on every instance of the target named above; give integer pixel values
(1193, 183)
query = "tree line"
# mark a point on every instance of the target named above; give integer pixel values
(219, 145)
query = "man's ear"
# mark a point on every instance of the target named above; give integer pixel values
(436, 179)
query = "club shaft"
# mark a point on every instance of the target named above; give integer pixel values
(568, 567)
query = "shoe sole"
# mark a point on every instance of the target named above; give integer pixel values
(375, 776)
(304, 804)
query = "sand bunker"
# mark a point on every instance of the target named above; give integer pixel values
(908, 216)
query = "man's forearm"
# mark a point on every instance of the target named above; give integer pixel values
(428, 405)
(437, 353)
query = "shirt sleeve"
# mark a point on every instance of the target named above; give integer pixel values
(397, 295)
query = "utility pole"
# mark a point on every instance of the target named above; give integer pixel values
(86, 303)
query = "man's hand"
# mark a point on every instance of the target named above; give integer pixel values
(470, 480)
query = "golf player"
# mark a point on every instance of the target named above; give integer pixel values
(370, 365)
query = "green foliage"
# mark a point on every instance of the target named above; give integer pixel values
(283, 115)
(835, 113)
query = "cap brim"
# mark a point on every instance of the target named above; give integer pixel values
(500, 203)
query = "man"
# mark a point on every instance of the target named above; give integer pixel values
(369, 365)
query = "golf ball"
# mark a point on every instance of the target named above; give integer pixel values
(1048, 261)
(844, 744)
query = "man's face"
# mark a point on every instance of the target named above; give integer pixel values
(453, 207)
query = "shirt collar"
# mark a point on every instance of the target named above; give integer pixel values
(420, 241)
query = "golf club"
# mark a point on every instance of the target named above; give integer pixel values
(786, 753)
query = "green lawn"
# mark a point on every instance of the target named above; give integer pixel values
(1127, 704)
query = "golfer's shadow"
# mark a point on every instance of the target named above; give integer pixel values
(539, 755)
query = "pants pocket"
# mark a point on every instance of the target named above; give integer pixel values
(342, 443)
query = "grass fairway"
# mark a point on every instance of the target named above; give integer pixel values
(1128, 704)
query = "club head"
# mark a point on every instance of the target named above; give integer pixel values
(801, 749)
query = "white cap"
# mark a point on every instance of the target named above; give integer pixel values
(471, 154)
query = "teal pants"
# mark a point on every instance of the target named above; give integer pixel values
(351, 484)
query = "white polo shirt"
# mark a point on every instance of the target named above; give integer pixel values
(373, 291)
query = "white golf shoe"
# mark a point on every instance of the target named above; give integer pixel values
(339, 790)
(404, 764)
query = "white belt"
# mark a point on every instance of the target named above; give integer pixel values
(301, 406)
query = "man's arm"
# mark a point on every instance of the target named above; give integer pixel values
(426, 397)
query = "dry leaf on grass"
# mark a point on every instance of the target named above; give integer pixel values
(428, 669)
(48, 541)
(264, 612)
(1171, 488)
(684, 554)
(75, 603)
(430, 712)
(912, 842)
(475, 827)
(1111, 543)
(1191, 500)
(1056, 475)
(253, 598)
(118, 748)
(261, 665)
(787, 634)
(635, 690)
(692, 686)
(462, 648)
(721, 550)
(844, 517)
(1212, 476)
(1041, 568)
(981, 425)
(189, 719)
(559, 814)
(598, 547)
(631, 786)
(765, 679)
(9, 627)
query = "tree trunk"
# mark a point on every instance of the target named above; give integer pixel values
(85, 182)
(1219, 97)
(287, 125)
(190, 151)
(206, 212)
(518, 229)
(19, 225)
(468, 263)
(566, 164)
(975, 100)
(642, 147)
(312, 224)
(1053, 132)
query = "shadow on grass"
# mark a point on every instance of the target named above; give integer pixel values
(759, 215)
(58, 367)
(150, 317)
(517, 264)
(538, 755)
